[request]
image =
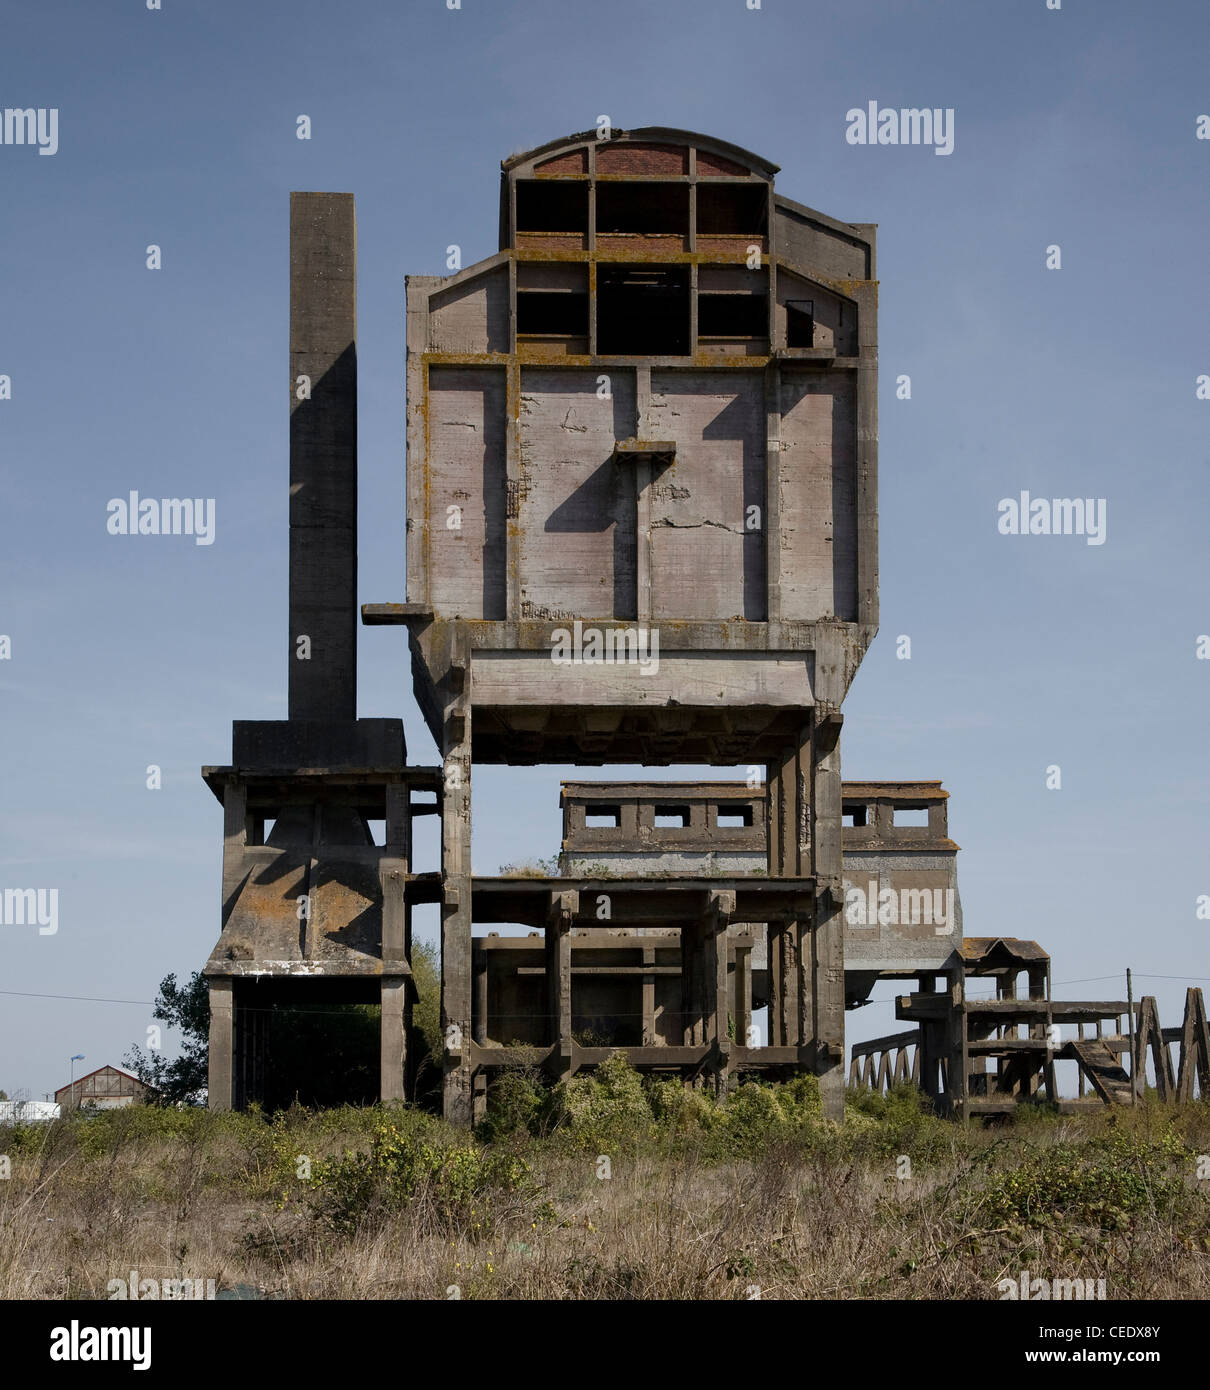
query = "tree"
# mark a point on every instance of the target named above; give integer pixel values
(185, 1008)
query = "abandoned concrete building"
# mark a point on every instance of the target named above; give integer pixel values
(641, 528)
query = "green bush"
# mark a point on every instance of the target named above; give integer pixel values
(459, 1182)
(517, 1103)
(1105, 1182)
(606, 1107)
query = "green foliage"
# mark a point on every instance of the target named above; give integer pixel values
(1107, 1182)
(426, 1022)
(532, 868)
(460, 1182)
(606, 1107)
(518, 1103)
(187, 1009)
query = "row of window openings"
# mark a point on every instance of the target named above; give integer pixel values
(729, 815)
(905, 816)
(740, 814)
(651, 209)
(647, 313)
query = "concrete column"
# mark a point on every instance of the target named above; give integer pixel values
(691, 991)
(789, 856)
(561, 912)
(323, 456)
(827, 938)
(394, 1038)
(649, 999)
(743, 994)
(479, 970)
(235, 839)
(720, 910)
(456, 899)
(221, 1080)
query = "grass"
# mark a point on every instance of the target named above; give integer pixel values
(609, 1187)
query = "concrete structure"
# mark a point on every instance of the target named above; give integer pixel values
(107, 1088)
(642, 527)
(628, 988)
(315, 910)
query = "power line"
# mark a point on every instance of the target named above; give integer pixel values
(82, 998)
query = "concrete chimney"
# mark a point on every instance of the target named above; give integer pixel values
(323, 458)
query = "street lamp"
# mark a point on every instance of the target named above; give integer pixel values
(79, 1057)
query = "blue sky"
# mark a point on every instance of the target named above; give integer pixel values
(1074, 127)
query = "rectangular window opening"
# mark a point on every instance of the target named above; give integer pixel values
(668, 817)
(650, 208)
(911, 815)
(549, 206)
(854, 815)
(800, 323)
(552, 313)
(732, 316)
(378, 831)
(643, 311)
(731, 209)
(734, 813)
(603, 815)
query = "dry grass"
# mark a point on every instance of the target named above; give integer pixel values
(818, 1213)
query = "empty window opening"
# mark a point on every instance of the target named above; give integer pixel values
(262, 829)
(643, 310)
(731, 209)
(552, 313)
(667, 817)
(552, 207)
(855, 815)
(643, 207)
(800, 323)
(603, 815)
(911, 815)
(732, 316)
(378, 831)
(734, 813)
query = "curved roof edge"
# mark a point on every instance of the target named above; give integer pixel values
(656, 133)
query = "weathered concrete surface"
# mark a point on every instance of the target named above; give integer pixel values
(323, 455)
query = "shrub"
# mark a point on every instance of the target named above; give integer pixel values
(458, 1184)
(606, 1107)
(1105, 1182)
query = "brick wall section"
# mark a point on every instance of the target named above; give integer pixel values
(638, 158)
(573, 162)
(716, 164)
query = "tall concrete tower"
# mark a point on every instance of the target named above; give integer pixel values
(642, 528)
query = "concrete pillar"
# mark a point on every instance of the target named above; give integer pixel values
(479, 971)
(561, 912)
(221, 1079)
(789, 856)
(827, 939)
(323, 456)
(649, 999)
(394, 1038)
(719, 912)
(456, 900)
(743, 994)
